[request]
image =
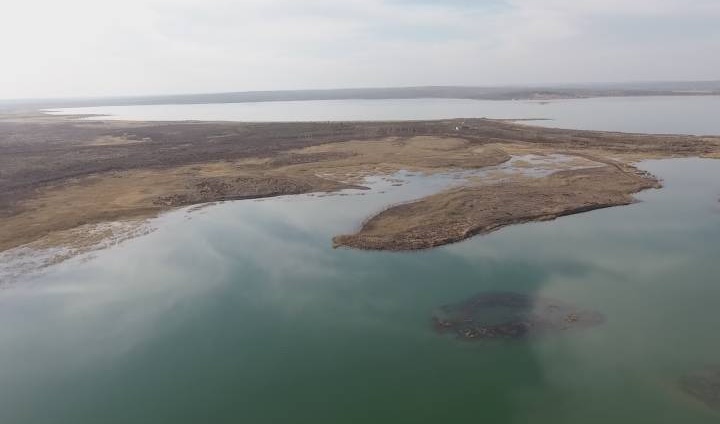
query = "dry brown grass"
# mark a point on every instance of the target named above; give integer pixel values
(459, 213)
(147, 192)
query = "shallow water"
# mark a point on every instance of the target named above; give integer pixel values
(677, 114)
(243, 312)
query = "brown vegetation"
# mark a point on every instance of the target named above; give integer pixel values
(460, 213)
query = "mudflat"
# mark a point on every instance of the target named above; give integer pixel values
(58, 174)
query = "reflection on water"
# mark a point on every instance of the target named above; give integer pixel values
(242, 312)
(676, 114)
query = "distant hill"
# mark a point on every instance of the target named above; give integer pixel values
(568, 91)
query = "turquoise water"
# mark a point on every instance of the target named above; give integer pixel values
(243, 312)
(676, 114)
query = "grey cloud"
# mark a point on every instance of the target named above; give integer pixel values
(85, 47)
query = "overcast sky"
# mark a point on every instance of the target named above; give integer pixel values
(54, 48)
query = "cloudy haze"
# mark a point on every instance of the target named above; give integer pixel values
(56, 48)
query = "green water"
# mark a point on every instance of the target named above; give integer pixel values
(243, 313)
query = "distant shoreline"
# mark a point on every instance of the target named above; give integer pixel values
(540, 93)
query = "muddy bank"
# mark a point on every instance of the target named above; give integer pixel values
(508, 315)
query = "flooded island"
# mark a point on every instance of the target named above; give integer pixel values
(508, 315)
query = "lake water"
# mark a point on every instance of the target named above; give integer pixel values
(243, 312)
(677, 114)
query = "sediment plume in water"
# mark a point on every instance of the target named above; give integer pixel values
(508, 315)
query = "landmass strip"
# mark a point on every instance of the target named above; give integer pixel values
(60, 173)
